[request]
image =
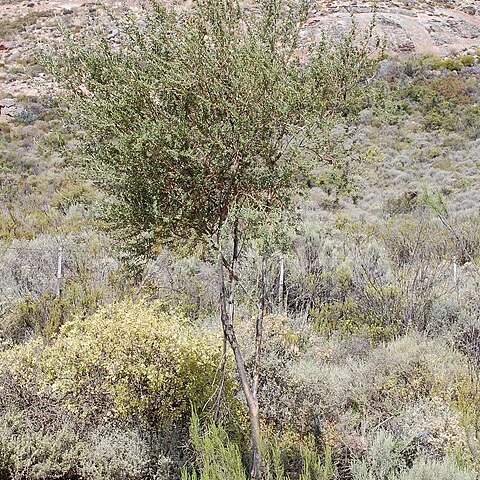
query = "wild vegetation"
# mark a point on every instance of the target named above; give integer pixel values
(210, 211)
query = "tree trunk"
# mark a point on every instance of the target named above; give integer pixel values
(227, 312)
(254, 411)
(259, 328)
(218, 401)
(255, 472)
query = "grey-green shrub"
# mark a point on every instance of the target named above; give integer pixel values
(446, 469)
(34, 448)
(30, 452)
(383, 459)
(114, 454)
(386, 459)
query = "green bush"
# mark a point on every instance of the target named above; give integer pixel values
(467, 60)
(126, 361)
(350, 317)
(45, 315)
(117, 454)
(217, 457)
(444, 102)
(384, 457)
(395, 109)
(453, 64)
(341, 386)
(432, 62)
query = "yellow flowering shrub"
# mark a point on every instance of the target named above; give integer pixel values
(128, 360)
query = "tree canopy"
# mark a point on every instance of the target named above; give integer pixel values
(189, 115)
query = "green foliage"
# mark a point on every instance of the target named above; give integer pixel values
(30, 453)
(314, 467)
(73, 194)
(349, 317)
(25, 117)
(425, 469)
(126, 361)
(468, 404)
(384, 458)
(432, 62)
(445, 102)
(467, 60)
(434, 201)
(210, 113)
(112, 453)
(394, 109)
(336, 182)
(45, 315)
(219, 458)
(453, 64)
(91, 277)
(332, 378)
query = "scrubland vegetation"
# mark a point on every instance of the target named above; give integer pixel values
(358, 262)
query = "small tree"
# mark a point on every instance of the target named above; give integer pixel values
(201, 125)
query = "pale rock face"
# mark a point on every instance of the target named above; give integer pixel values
(438, 27)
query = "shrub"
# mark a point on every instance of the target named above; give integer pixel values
(112, 453)
(384, 457)
(45, 315)
(432, 62)
(220, 458)
(30, 452)
(338, 387)
(28, 280)
(394, 110)
(387, 459)
(349, 317)
(136, 361)
(443, 102)
(424, 469)
(453, 64)
(189, 283)
(405, 203)
(434, 426)
(33, 447)
(467, 60)
(25, 117)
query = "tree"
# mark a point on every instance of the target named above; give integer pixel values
(202, 125)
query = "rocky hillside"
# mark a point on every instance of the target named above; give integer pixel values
(441, 27)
